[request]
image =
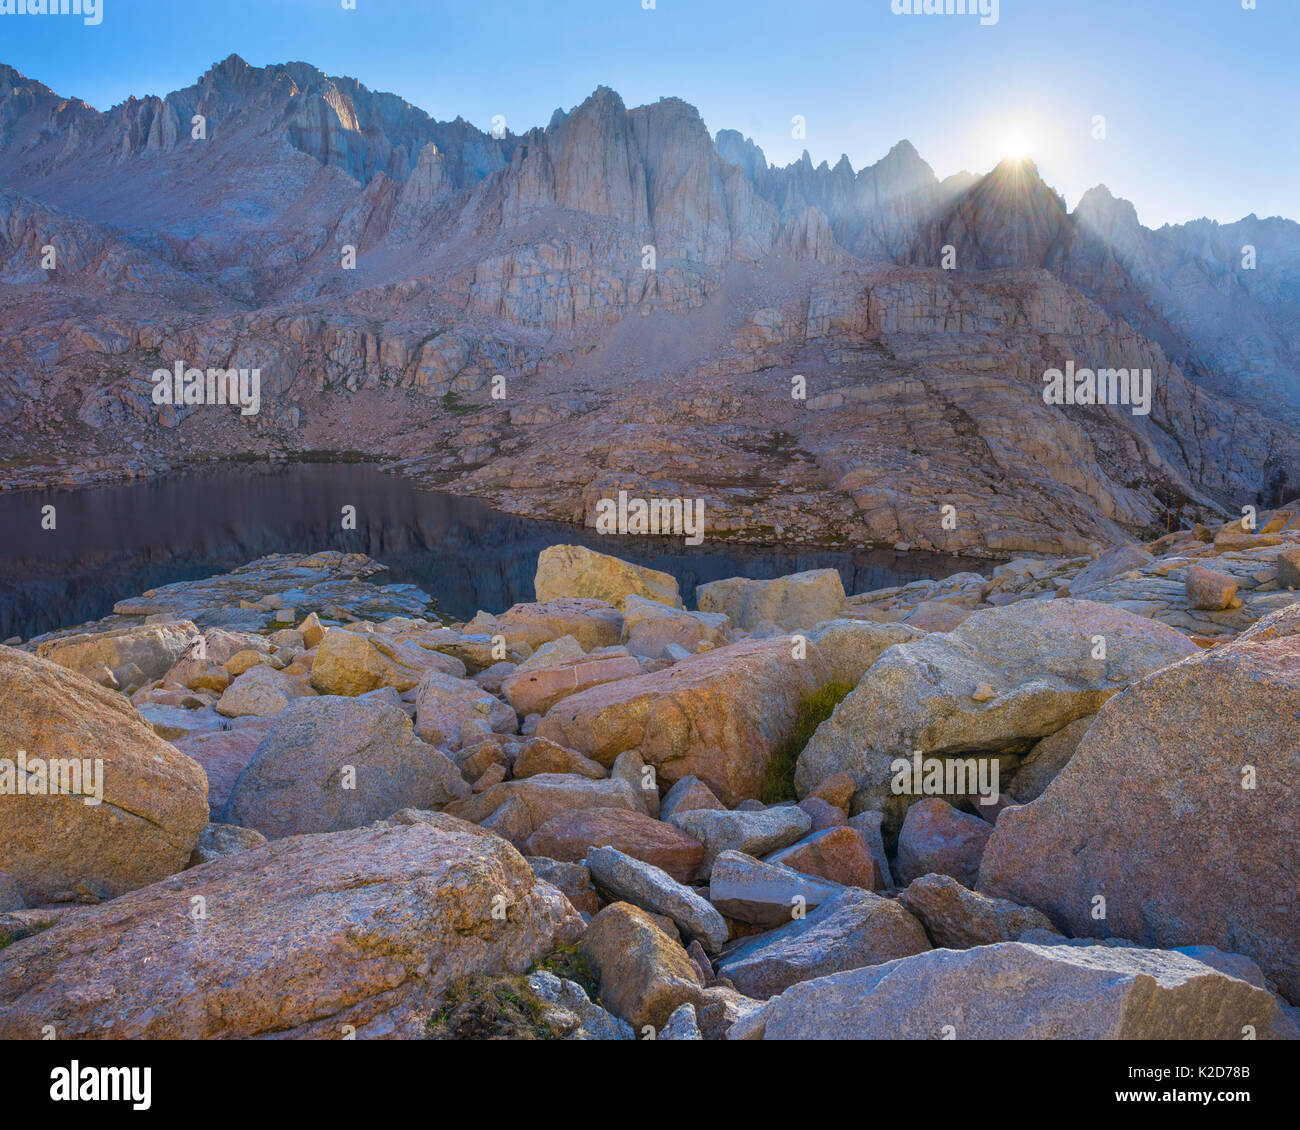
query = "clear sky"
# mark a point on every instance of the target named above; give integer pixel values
(1201, 97)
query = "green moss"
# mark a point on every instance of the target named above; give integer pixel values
(569, 964)
(778, 784)
(484, 1007)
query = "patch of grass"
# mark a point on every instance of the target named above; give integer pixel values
(484, 1007)
(451, 402)
(570, 965)
(778, 784)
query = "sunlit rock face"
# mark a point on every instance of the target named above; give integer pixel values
(618, 301)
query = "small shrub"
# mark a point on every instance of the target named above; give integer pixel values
(484, 1007)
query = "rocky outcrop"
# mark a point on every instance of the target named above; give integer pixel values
(94, 803)
(378, 923)
(1198, 761)
(575, 571)
(1003, 679)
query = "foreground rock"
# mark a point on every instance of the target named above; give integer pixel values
(149, 802)
(851, 930)
(1180, 807)
(958, 918)
(621, 877)
(310, 937)
(444, 703)
(644, 974)
(330, 763)
(574, 570)
(1043, 993)
(718, 716)
(999, 682)
(801, 600)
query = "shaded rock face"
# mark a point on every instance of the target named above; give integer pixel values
(516, 809)
(937, 839)
(331, 763)
(1044, 992)
(1003, 679)
(1197, 762)
(620, 876)
(718, 716)
(377, 922)
(152, 801)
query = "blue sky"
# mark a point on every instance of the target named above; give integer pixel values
(1199, 96)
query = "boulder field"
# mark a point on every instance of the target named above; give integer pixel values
(292, 802)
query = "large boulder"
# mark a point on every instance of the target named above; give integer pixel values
(1180, 807)
(444, 703)
(802, 600)
(1042, 993)
(718, 716)
(620, 877)
(593, 623)
(958, 918)
(650, 626)
(261, 692)
(999, 682)
(127, 807)
(644, 974)
(764, 893)
(516, 809)
(936, 839)
(330, 763)
(313, 937)
(852, 929)
(123, 658)
(571, 835)
(574, 570)
(353, 663)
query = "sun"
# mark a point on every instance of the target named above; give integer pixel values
(1016, 147)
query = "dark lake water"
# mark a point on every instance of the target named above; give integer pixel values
(117, 541)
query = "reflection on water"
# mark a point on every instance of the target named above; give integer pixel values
(116, 541)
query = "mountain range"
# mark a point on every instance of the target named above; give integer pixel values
(650, 296)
